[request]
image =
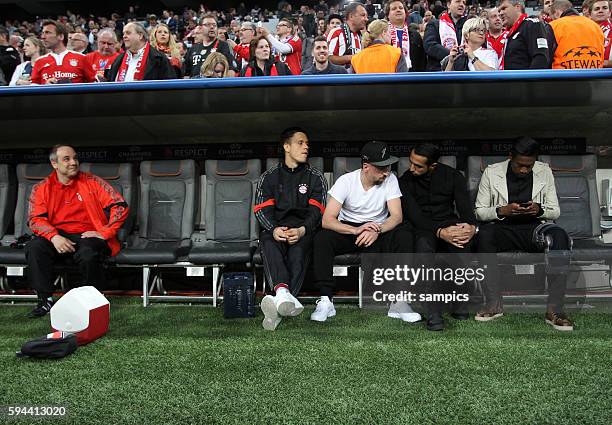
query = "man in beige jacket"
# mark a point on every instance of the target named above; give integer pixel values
(516, 198)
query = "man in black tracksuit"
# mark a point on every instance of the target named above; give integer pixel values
(530, 43)
(435, 201)
(289, 204)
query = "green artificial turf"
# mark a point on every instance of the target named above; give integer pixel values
(181, 364)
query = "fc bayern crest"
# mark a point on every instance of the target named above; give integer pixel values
(303, 188)
(74, 62)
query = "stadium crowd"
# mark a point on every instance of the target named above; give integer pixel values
(324, 39)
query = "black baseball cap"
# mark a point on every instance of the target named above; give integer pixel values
(377, 153)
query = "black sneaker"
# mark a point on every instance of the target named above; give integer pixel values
(43, 307)
(435, 322)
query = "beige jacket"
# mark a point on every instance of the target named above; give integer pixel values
(493, 191)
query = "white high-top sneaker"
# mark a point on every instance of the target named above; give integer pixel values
(402, 310)
(271, 317)
(325, 308)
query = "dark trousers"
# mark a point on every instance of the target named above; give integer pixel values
(426, 242)
(328, 244)
(41, 256)
(500, 237)
(284, 263)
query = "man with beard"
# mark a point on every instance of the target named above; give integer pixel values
(197, 54)
(345, 41)
(103, 58)
(60, 65)
(496, 34)
(363, 214)
(72, 214)
(289, 203)
(442, 34)
(435, 202)
(515, 198)
(321, 63)
(529, 43)
(599, 11)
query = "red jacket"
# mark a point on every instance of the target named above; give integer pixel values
(97, 195)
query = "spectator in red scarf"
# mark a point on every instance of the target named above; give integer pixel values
(140, 61)
(161, 39)
(261, 62)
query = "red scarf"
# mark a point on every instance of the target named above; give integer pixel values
(140, 65)
(497, 44)
(510, 33)
(606, 26)
(404, 45)
(273, 71)
(448, 33)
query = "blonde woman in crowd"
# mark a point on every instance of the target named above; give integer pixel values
(161, 39)
(378, 56)
(215, 66)
(473, 55)
(32, 48)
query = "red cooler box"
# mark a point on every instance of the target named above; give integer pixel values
(82, 311)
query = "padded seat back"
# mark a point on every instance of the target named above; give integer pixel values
(230, 189)
(122, 178)
(343, 165)
(404, 163)
(168, 199)
(8, 194)
(316, 162)
(577, 193)
(28, 175)
(475, 167)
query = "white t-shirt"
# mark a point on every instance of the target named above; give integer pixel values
(487, 56)
(359, 205)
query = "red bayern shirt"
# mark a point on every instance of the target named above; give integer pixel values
(100, 63)
(67, 66)
(294, 59)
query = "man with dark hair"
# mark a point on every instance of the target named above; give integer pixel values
(435, 202)
(530, 44)
(289, 203)
(72, 214)
(140, 61)
(197, 54)
(444, 33)
(363, 214)
(345, 41)
(9, 56)
(515, 198)
(321, 63)
(287, 46)
(60, 65)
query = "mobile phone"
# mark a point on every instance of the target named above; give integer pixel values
(525, 204)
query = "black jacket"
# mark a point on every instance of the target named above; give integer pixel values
(532, 46)
(431, 42)
(9, 59)
(281, 69)
(448, 196)
(291, 198)
(417, 52)
(157, 68)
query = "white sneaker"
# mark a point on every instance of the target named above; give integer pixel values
(402, 310)
(271, 317)
(325, 308)
(287, 304)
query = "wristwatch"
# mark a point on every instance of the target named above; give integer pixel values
(474, 60)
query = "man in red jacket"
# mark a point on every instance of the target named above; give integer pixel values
(75, 215)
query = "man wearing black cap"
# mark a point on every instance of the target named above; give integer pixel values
(362, 214)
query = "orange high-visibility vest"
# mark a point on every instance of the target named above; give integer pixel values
(580, 43)
(376, 58)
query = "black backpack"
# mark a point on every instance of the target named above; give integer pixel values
(52, 346)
